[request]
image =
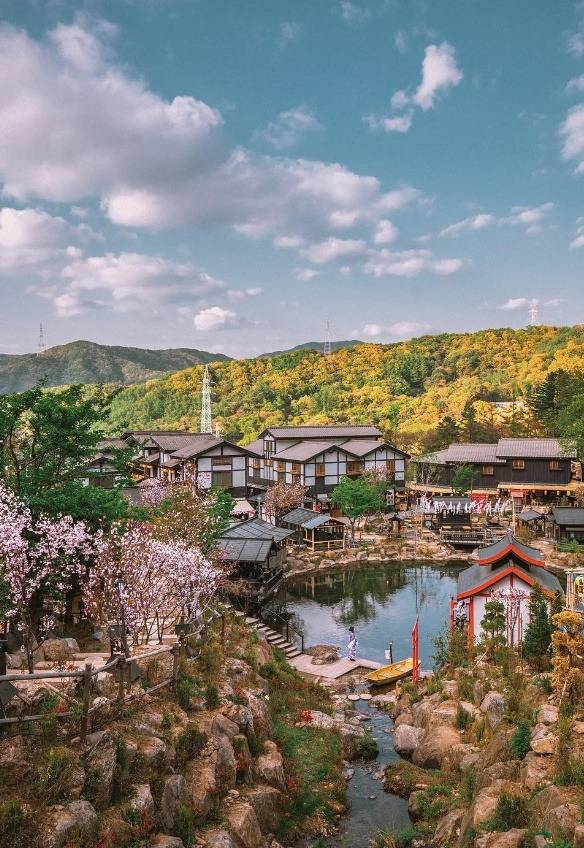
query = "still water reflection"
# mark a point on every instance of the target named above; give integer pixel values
(381, 603)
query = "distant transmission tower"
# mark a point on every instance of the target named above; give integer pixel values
(206, 420)
(42, 345)
(533, 313)
(327, 339)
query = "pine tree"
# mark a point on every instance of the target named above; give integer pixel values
(538, 635)
(493, 627)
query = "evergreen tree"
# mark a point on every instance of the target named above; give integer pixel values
(462, 479)
(493, 627)
(538, 635)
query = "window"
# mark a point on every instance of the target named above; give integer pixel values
(221, 479)
(221, 460)
(518, 464)
(268, 447)
(555, 465)
(255, 463)
(487, 470)
(296, 478)
(390, 466)
(281, 476)
(320, 469)
(355, 467)
(296, 468)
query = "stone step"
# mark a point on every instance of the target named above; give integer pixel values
(292, 653)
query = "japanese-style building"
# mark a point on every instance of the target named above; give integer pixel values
(523, 469)
(567, 524)
(317, 530)
(507, 570)
(318, 456)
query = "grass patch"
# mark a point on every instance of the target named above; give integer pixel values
(520, 742)
(463, 718)
(17, 827)
(511, 811)
(55, 774)
(189, 744)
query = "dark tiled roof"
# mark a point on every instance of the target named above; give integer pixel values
(498, 547)
(245, 550)
(256, 528)
(476, 575)
(302, 451)
(112, 443)
(531, 515)
(468, 452)
(436, 458)
(568, 515)
(205, 442)
(325, 431)
(299, 516)
(257, 446)
(167, 440)
(533, 449)
(361, 447)
(151, 459)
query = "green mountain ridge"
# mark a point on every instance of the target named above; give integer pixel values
(89, 362)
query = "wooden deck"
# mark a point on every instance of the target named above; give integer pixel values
(334, 670)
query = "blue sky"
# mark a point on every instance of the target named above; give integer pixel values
(229, 175)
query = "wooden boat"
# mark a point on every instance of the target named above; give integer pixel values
(391, 673)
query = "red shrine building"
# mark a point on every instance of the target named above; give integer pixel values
(507, 571)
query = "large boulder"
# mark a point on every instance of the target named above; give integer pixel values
(558, 809)
(497, 748)
(402, 778)
(172, 797)
(100, 764)
(267, 805)
(141, 799)
(200, 786)
(77, 819)
(447, 829)
(162, 840)
(493, 707)
(562, 820)
(404, 718)
(242, 823)
(498, 771)
(434, 746)
(536, 770)
(269, 767)
(217, 837)
(579, 836)
(462, 756)
(542, 741)
(547, 714)
(59, 650)
(509, 839)
(406, 739)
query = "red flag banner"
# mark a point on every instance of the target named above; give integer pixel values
(415, 650)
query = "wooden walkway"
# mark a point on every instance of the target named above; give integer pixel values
(334, 670)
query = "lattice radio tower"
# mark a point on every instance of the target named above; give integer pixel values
(327, 339)
(206, 419)
(533, 313)
(42, 345)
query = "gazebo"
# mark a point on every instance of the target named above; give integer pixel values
(317, 530)
(507, 571)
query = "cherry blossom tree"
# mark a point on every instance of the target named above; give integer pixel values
(143, 584)
(282, 498)
(38, 559)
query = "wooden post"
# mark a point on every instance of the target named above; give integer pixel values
(121, 670)
(222, 629)
(175, 661)
(86, 697)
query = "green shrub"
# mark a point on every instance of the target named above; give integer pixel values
(187, 687)
(184, 826)
(56, 773)
(256, 746)
(408, 834)
(465, 688)
(17, 828)
(520, 742)
(544, 683)
(211, 696)
(511, 811)
(463, 718)
(167, 721)
(467, 785)
(238, 699)
(188, 745)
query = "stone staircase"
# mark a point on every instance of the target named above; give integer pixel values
(274, 638)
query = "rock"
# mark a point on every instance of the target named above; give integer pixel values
(149, 724)
(141, 798)
(262, 720)
(548, 714)
(267, 804)
(545, 744)
(59, 650)
(493, 706)
(357, 743)
(14, 767)
(414, 806)
(508, 771)
(323, 654)
(15, 661)
(384, 702)
(510, 839)
(462, 756)
(445, 713)
(242, 823)
(562, 820)
(402, 778)
(479, 690)
(154, 751)
(485, 801)
(73, 644)
(407, 738)
(422, 711)
(217, 837)
(161, 840)
(404, 718)
(241, 715)
(224, 726)
(536, 770)
(434, 746)
(77, 819)
(579, 836)
(269, 767)
(447, 829)
(172, 796)
(497, 749)
(200, 786)
(100, 764)
(450, 688)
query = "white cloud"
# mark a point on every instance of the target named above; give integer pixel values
(237, 295)
(515, 303)
(333, 248)
(532, 218)
(572, 132)
(578, 240)
(472, 224)
(305, 274)
(134, 281)
(439, 73)
(575, 84)
(215, 318)
(289, 127)
(30, 237)
(385, 232)
(290, 31)
(409, 263)
(345, 270)
(155, 163)
(400, 41)
(401, 329)
(288, 241)
(351, 13)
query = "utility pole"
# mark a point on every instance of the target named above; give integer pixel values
(206, 419)
(533, 313)
(42, 346)
(327, 339)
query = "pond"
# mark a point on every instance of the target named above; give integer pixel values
(381, 603)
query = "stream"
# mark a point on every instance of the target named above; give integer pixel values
(381, 603)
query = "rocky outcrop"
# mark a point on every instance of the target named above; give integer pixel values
(435, 746)
(493, 707)
(243, 824)
(267, 803)
(173, 794)
(406, 739)
(509, 839)
(447, 829)
(269, 767)
(100, 764)
(78, 818)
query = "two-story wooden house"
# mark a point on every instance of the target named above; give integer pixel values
(318, 456)
(523, 469)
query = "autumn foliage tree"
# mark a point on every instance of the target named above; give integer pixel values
(567, 657)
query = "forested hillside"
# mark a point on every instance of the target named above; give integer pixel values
(422, 393)
(87, 362)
